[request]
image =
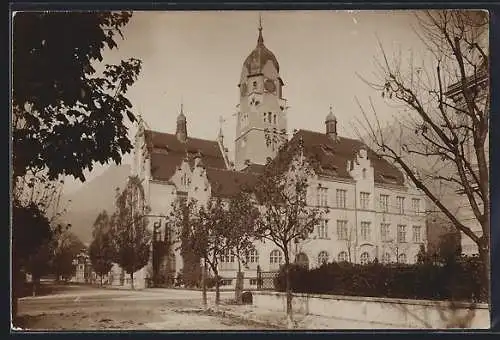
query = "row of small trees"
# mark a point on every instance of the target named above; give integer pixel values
(212, 231)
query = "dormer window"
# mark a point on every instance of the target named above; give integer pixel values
(389, 179)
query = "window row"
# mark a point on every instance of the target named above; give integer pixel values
(276, 258)
(269, 117)
(400, 204)
(364, 201)
(346, 232)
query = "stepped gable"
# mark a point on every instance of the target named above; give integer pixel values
(167, 153)
(331, 157)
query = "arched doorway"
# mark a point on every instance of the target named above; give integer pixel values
(302, 260)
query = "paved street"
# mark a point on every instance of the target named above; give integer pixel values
(90, 308)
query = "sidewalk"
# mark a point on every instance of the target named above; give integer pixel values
(278, 320)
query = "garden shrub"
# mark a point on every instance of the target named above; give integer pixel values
(453, 280)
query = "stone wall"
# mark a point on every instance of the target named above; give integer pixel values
(374, 313)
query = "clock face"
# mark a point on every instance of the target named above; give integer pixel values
(269, 85)
(243, 89)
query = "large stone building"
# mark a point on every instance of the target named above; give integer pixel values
(373, 211)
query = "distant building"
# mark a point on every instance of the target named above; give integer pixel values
(83, 268)
(374, 211)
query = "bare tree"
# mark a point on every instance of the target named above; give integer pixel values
(443, 118)
(285, 215)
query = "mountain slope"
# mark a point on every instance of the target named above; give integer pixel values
(98, 194)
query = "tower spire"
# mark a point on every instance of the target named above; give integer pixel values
(181, 131)
(260, 41)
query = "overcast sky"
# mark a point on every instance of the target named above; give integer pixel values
(196, 58)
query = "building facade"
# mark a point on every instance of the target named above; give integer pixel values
(373, 211)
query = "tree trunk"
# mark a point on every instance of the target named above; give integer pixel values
(484, 256)
(217, 288)
(35, 280)
(288, 291)
(132, 280)
(204, 284)
(101, 279)
(239, 284)
(17, 287)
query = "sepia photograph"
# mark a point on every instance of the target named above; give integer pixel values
(250, 170)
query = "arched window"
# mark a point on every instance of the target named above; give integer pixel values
(275, 257)
(386, 258)
(402, 258)
(274, 119)
(342, 256)
(323, 257)
(253, 256)
(364, 258)
(364, 173)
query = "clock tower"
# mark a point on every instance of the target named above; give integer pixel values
(261, 118)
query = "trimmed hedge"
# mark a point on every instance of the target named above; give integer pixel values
(458, 281)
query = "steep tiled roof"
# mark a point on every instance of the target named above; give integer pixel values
(330, 157)
(167, 153)
(227, 183)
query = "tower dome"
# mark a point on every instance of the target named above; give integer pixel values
(331, 125)
(330, 117)
(260, 55)
(181, 131)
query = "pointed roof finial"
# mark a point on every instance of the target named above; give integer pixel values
(330, 117)
(221, 121)
(181, 116)
(260, 41)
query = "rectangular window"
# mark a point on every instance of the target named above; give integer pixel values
(417, 237)
(341, 198)
(365, 231)
(322, 197)
(401, 204)
(384, 231)
(401, 233)
(384, 203)
(415, 203)
(253, 282)
(323, 229)
(364, 200)
(342, 230)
